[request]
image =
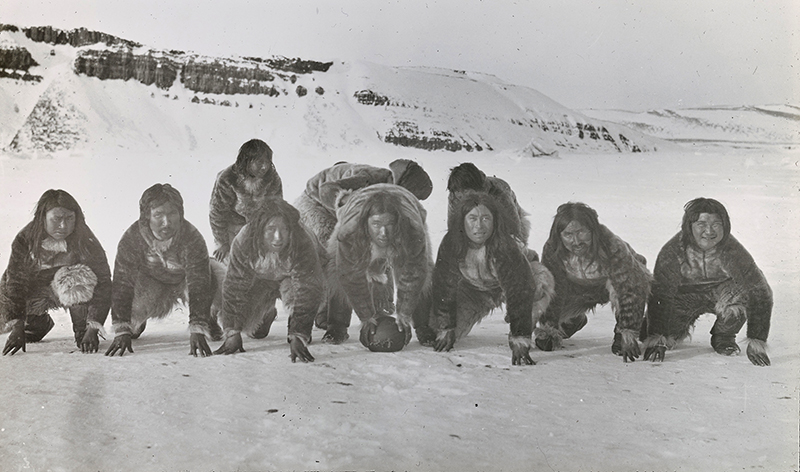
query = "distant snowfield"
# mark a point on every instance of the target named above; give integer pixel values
(578, 409)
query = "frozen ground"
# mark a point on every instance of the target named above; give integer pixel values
(578, 409)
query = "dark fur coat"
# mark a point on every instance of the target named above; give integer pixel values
(155, 280)
(726, 279)
(294, 275)
(27, 288)
(234, 197)
(627, 287)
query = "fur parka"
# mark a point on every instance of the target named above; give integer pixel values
(724, 280)
(524, 291)
(31, 287)
(234, 197)
(318, 203)
(627, 287)
(294, 275)
(147, 283)
(411, 262)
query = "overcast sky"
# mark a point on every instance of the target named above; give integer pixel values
(635, 55)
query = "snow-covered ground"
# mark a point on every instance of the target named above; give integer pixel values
(578, 409)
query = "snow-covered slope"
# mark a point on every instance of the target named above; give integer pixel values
(71, 101)
(741, 126)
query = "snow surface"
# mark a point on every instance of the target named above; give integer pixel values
(578, 409)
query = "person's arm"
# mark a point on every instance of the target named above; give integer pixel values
(446, 276)
(222, 214)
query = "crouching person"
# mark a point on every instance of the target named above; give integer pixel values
(704, 269)
(240, 190)
(592, 266)
(272, 257)
(162, 260)
(380, 241)
(55, 262)
(480, 266)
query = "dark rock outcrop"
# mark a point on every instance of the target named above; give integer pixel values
(76, 37)
(16, 58)
(123, 65)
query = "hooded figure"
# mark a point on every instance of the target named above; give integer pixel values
(467, 177)
(704, 269)
(480, 266)
(240, 190)
(273, 257)
(592, 266)
(56, 262)
(330, 188)
(162, 259)
(380, 240)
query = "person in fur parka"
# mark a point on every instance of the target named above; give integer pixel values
(467, 177)
(56, 261)
(480, 265)
(329, 189)
(241, 190)
(162, 259)
(273, 257)
(592, 266)
(380, 240)
(704, 269)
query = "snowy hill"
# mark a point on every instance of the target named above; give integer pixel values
(739, 127)
(80, 90)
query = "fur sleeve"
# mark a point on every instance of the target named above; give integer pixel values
(222, 214)
(101, 299)
(446, 276)
(629, 283)
(16, 281)
(750, 281)
(413, 271)
(516, 279)
(307, 286)
(562, 286)
(198, 274)
(126, 268)
(666, 279)
(239, 279)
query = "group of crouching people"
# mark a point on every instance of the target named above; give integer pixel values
(356, 240)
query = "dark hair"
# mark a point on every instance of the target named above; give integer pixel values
(692, 211)
(466, 176)
(587, 216)
(80, 239)
(250, 151)
(156, 196)
(499, 243)
(382, 202)
(269, 209)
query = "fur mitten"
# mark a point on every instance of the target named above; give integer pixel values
(74, 284)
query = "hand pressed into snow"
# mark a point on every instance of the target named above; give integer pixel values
(120, 343)
(197, 341)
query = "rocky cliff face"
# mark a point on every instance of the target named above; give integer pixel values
(123, 64)
(76, 37)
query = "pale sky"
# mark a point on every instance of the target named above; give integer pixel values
(635, 55)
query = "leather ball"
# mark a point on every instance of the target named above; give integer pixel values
(388, 337)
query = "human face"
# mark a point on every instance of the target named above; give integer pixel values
(577, 238)
(479, 225)
(708, 230)
(381, 228)
(165, 220)
(259, 166)
(276, 234)
(59, 223)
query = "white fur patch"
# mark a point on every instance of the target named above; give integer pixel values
(519, 342)
(74, 284)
